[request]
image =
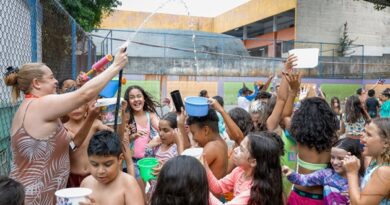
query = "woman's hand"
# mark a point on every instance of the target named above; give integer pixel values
(351, 164)
(121, 59)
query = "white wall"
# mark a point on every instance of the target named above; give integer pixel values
(322, 21)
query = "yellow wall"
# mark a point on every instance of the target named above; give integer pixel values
(247, 13)
(132, 20)
(251, 12)
(192, 88)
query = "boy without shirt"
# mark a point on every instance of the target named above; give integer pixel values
(205, 132)
(82, 124)
(110, 186)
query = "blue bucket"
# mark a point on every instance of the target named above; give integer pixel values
(110, 90)
(196, 106)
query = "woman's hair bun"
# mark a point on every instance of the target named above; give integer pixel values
(11, 76)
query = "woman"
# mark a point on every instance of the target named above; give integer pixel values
(40, 144)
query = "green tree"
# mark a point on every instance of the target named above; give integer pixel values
(345, 41)
(88, 13)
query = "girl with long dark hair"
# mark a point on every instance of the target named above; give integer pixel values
(257, 179)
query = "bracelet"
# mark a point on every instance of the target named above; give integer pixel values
(72, 145)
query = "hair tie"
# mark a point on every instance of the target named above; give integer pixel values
(11, 70)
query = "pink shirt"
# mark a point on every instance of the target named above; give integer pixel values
(231, 182)
(141, 142)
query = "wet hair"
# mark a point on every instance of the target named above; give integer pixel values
(210, 120)
(21, 79)
(353, 109)
(203, 93)
(352, 146)
(171, 117)
(104, 143)
(263, 95)
(383, 125)
(149, 105)
(315, 124)
(264, 109)
(182, 181)
(219, 99)
(12, 192)
(267, 187)
(359, 91)
(242, 119)
(371, 93)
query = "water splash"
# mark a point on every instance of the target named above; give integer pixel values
(192, 28)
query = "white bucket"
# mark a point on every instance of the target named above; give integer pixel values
(72, 195)
(194, 152)
(306, 57)
(107, 107)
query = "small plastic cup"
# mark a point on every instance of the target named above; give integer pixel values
(146, 166)
(72, 195)
(107, 106)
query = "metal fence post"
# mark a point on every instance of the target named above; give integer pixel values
(33, 22)
(74, 48)
(89, 52)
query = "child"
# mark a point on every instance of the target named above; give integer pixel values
(143, 122)
(109, 184)
(333, 179)
(82, 124)
(385, 108)
(257, 179)
(354, 118)
(375, 186)
(66, 83)
(205, 132)
(182, 180)
(12, 192)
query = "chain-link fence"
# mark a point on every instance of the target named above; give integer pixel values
(179, 52)
(37, 31)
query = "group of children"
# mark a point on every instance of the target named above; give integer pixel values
(276, 145)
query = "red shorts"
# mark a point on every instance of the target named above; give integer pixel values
(75, 180)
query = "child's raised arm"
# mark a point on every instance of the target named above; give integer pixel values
(233, 131)
(182, 139)
(82, 133)
(276, 115)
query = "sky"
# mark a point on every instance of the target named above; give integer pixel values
(205, 8)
